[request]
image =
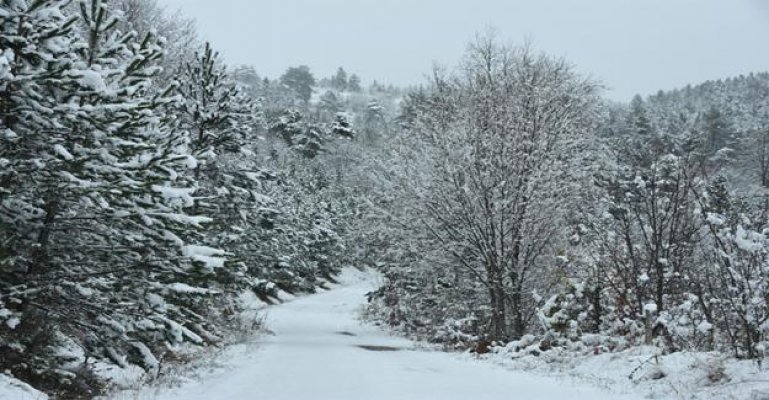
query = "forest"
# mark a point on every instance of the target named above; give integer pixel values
(149, 192)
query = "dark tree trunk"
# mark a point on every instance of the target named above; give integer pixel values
(498, 328)
(41, 253)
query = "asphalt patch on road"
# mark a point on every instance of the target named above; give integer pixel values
(378, 348)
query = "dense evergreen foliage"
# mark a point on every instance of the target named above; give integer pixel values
(142, 199)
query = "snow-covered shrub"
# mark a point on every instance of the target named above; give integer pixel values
(738, 273)
(563, 316)
(443, 310)
(687, 326)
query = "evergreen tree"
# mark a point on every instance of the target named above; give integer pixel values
(339, 81)
(221, 122)
(96, 221)
(716, 131)
(329, 106)
(638, 119)
(301, 81)
(353, 84)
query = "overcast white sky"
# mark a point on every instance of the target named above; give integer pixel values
(633, 46)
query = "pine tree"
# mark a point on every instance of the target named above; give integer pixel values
(353, 84)
(329, 106)
(638, 118)
(301, 81)
(32, 78)
(97, 260)
(339, 81)
(222, 122)
(342, 127)
(217, 115)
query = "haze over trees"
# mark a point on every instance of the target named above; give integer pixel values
(149, 193)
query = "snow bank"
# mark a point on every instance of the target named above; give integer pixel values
(14, 389)
(642, 370)
(351, 276)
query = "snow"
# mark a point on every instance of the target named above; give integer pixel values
(178, 332)
(249, 300)
(92, 80)
(191, 162)
(148, 359)
(12, 323)
(650, 308)
(704, 327)
(6, 58)
(13, 389)
(156, 301)
(116, 326)
(64, 153)
(210, 257)
(183, 195)
(643, 371)
(210, 263)
(749, 241)
(184, 218)
(195, 250)
(714, 219)
(315, 353)
(187, 289)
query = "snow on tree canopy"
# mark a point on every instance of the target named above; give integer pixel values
(211, 258)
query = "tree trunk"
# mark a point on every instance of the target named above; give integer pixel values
(40, 253)
(519, 325)
(498, 329)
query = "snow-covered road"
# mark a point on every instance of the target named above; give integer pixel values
(321, 351)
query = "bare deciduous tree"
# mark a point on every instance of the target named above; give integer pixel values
(489, 157)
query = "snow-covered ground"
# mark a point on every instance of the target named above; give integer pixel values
(643, 370)
(13, 389)
(320, 350)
